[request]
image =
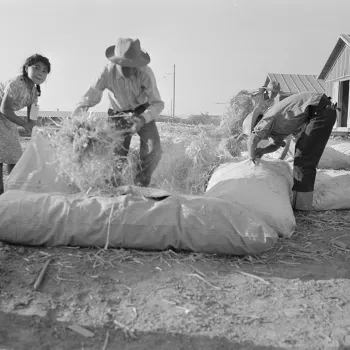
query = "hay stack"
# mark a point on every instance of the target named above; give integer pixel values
(85, 147)
(186, 170)
(239, 107)
(232, 146)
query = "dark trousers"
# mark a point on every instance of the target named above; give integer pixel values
(150, 152)
(311, 144)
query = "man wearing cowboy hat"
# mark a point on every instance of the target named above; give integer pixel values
(132, 89)
(309, 115)
(269, 91)
(265, 97)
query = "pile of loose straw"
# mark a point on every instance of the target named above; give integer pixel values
(84, 146)
(239, 107)
(187, 169)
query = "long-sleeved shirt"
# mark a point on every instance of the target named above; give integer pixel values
(125, 93)
(262, 104)
(286, 117)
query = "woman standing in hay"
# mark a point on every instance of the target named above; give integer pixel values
(15, 94)
(132, 90)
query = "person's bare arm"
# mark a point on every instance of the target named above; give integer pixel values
(252, 144)
(7, 111)
(271, 147)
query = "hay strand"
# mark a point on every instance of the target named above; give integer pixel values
(86, 147)
(109, 227)
(239, 107)
(253, 276)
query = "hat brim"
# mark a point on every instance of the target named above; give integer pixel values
(249, 122)
(138, 62)
(273, 90)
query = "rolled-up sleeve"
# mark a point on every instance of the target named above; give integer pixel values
(94, 95)
(278, 141)
(156, 105)
(264, 127)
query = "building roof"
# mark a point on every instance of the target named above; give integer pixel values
(294, 83)
(344, 39)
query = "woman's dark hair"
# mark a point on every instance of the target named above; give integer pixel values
(32, 60)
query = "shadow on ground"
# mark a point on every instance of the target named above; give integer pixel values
(31, 332)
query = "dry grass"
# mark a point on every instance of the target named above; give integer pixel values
(203, 119)
(84, 146)
(308, 243)
(336, 220)
(188, 162)
(239, 107)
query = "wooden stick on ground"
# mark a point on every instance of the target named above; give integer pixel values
(41, 275)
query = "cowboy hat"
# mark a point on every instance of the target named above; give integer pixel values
(250, 121)
(128, 53)
(273, 86)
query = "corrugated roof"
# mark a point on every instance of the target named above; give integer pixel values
(294, 83)
(344, 39)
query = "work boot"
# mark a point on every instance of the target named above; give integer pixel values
(302, 201)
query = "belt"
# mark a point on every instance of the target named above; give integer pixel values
(325, 104)
(119, 121)
(117, 114)
(117, 117)
(137, 111)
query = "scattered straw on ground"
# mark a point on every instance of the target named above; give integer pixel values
(325, 220)
(306, 245)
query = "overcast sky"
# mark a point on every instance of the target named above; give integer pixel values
(218, 46)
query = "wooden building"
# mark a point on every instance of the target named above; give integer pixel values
(336, 75)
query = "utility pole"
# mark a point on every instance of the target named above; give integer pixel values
(172, 109)
(174, 93)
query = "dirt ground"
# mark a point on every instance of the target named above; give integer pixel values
(295, 296)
